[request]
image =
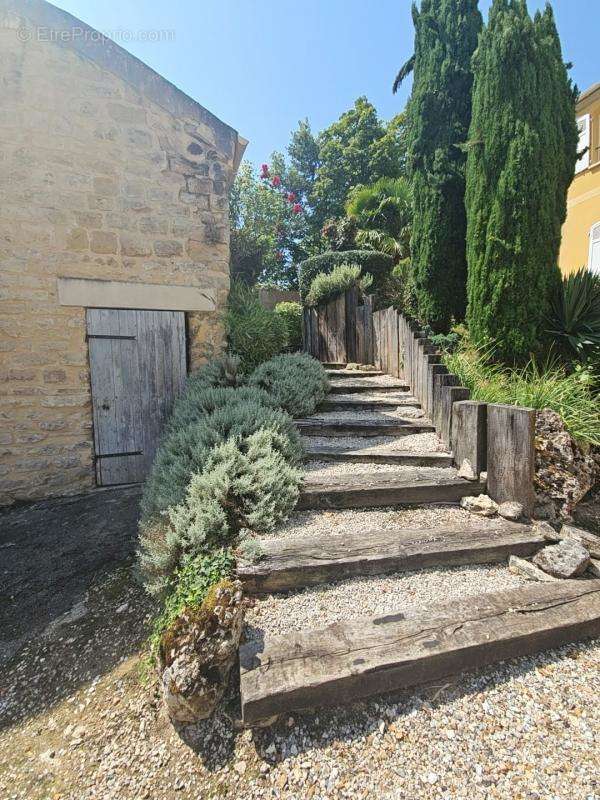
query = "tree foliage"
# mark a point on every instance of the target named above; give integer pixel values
(356, 149)
(267, 229)
(521, 158)
(439, 113)
(382, 214)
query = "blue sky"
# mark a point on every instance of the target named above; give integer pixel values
(261, 65)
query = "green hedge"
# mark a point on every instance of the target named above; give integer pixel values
(379, 265)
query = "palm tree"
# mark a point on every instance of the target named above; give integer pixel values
(382, 212)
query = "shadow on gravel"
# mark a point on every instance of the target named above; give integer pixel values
(50, 552)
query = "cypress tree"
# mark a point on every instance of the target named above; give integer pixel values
(439, 114)
(521, 160)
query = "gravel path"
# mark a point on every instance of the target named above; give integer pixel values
(329, 469)
(76, 723)
(432, 516)
(402, 412)
(323, 605)
(365, 379)
(374, 396)
(415, 443)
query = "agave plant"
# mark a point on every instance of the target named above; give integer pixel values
(575, 312)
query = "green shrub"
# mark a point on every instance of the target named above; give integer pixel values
(327, 286)
(291, 314)
(254, 333)
(297, 382)
(225, 370)
(376, 264)
(196, 404)
(189, 586)
(245, 484)
(570, 395)
(184, 451)
(574, 318)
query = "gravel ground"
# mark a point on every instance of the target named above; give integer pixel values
(330, 469)
(432, 516)
(76, 723)
(402, 412)
(415, 443)
(323, 605)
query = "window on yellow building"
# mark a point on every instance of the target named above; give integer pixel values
(595, 139)
(583, 126)
(594, 259)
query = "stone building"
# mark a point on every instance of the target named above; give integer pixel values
(114, 252)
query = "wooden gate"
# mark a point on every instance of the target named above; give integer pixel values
(137, 367)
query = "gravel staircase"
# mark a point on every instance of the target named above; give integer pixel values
(370, 447)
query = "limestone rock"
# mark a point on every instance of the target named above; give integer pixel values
(481, 505)
(510, 510)
(198, 651)
(564, 473)
(564, 560)
(466, 471)
(527, 570)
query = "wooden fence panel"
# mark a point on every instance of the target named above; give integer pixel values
(377, 357)
(353, 326)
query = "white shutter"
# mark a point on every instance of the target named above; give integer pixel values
(594, 260)
(583, 126)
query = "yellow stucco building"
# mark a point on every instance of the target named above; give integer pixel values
(581, 231)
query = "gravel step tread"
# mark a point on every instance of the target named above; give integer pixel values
(372, 655)
(362, 403)
(337, 372)
(363, 427)
(354, 387)
(329, 452)
(362, 490)
(287, 564)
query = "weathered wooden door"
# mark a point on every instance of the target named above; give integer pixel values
(138, 367)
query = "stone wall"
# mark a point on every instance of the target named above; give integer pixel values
(97, 181)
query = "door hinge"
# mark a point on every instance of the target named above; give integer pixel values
(107, 336)
(118, 455)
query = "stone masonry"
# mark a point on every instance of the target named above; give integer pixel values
(98, 179)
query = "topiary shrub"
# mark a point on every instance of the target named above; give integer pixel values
(379, 265)
(298, 383)
(291, 314)
(185, 450)
(326, 287)
(254, 333)
(245, 484)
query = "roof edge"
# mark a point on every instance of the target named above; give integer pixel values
(106, 53)
(595, 87)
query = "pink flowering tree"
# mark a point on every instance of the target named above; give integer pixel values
(268, 227)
